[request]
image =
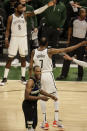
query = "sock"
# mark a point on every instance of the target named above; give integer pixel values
(6, 72)
(43, 108)
(23, 69)
(56, 111)
(44, 117)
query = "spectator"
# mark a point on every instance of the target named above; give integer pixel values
(77, 30)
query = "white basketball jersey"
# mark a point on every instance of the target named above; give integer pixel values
(42, 59)
(18, 26)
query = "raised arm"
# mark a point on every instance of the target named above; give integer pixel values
(31, 64)
(40, 10)
(68, 49)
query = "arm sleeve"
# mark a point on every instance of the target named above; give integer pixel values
(40, 10)
(81, 63)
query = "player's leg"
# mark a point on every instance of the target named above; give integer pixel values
(12, 51)
(28, 114)
(23, 51)
(35, 117)
(56, 122)
(7, 68)
(44, 124)
(23, 70)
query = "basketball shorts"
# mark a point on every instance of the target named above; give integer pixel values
(48, 82)
(18, 44)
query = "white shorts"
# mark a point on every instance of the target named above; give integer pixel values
(18, 44)
(48, 82)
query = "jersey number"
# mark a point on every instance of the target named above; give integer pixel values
(41, 63)
(19, 27)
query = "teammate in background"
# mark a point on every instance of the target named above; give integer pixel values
(32, 95)
(18, 42)
(43, 58)
(81, 63)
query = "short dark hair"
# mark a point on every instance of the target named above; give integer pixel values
(43, 41)
(35, 67)
(17, 4)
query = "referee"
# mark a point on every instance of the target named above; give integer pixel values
(76, 33)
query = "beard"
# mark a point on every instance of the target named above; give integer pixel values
(19, 12)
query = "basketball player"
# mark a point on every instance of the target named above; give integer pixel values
(18, 42)
(43, 57)
(32, 95)
(81, 63)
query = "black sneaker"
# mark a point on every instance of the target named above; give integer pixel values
(23, 80)
(60, 77)
(3, 82)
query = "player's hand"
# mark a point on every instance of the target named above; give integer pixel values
(44, 98)
(54, 98)
(6, 43)
(67, 57)
(84, 42)
(51, 3)
(67, 42)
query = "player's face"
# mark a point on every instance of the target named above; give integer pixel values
(37, 73)
(83, 13)
(20, 9)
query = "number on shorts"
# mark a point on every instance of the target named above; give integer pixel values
(41, 63)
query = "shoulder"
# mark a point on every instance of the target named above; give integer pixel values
(10, 18)
(32, 79)
(30, 82)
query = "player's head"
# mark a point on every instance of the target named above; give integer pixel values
(19, 7)
(82, 13)
(43, 41)
(37, 72)
(56, 1)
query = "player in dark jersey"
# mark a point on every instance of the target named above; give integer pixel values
(32, 95)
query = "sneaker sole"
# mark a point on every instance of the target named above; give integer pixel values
(2, 84)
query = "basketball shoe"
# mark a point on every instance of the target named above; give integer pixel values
(57, 124)
(23, 80)
(45, 126)
(3, 82)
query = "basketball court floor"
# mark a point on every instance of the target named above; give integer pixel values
(72, 110)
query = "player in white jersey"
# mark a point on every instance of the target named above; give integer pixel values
(43, 57)
(18, 42)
